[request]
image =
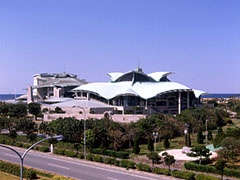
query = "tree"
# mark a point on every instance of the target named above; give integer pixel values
(188, 140)
(27, 126)
(16, 110)
(168, 160)
(200, 137)
(219, 138)
(220, 165)
(90, 139)
(13, 135)
(200, 151)
(70, 128)
(77, 146)
(34, 109)
(210, 136)
(150, 144)
(154, 157)
(231, 149)
(166, 143)
(136, 148)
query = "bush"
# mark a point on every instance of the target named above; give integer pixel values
(15, 170)
(143, 167)
(97, 158)
(44, 149)
(80, 156)
(116, 163)
(59, 151)
(201, 168)
(231, 172)
(127, 164)
(30, 174)
(90, 157)
(119, 154)
(205, 177)
(183, 175)
(19, 144)
(70, 153)
(166, 143)
(109, 161)
(26, 146)
(210, 169)
(164, 171)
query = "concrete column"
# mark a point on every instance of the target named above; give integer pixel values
(179, 102)
(88, 96)
(56, 92)
(188, 99)
(29, 95)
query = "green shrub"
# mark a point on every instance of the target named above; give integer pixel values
(80, 156)
(164, 171)
(90, 157)
(232, 172)
(210, 169)
(2, 141)
(127, 164)
(97, 158)
(15, 170)
(202, 168)
(70, 153)
(143, 167)
(183, 175)
(30, 174)
(116, 162)
(26, 146)
(19, 145)
(44, 149)
(109, 160)
(118, 154)
(205, 177)
(59, 151)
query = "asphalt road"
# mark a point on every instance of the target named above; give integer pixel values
(76, 168)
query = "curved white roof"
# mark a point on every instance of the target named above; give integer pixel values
(145, 90)
(158, 75)
(115, 75)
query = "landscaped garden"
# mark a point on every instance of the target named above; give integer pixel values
(132, 145)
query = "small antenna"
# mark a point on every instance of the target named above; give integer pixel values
(138, 64)
(64, 70)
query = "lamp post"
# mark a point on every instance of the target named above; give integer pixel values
(206, 132)
(186, 132)
(21, 157)
(155, 135)
(84, 129)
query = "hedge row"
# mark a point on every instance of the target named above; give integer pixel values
(205, 177)
(210, 169)
(15, 170)
(117, 154)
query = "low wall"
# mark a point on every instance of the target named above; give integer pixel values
(116, 117)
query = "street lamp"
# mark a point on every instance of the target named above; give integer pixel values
(206, 132)
(186, 132)
(59, 138)
(84, 129)
(155, 135)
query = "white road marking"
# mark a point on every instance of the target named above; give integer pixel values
(58, 166)
(92, 166)
(103, 169)
(10, 155)
(112, 178)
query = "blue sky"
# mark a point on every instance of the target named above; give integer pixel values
(197, 40)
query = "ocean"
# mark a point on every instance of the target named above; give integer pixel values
(8, 96)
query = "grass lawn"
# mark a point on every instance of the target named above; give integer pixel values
(175, 143)
(5, 176)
